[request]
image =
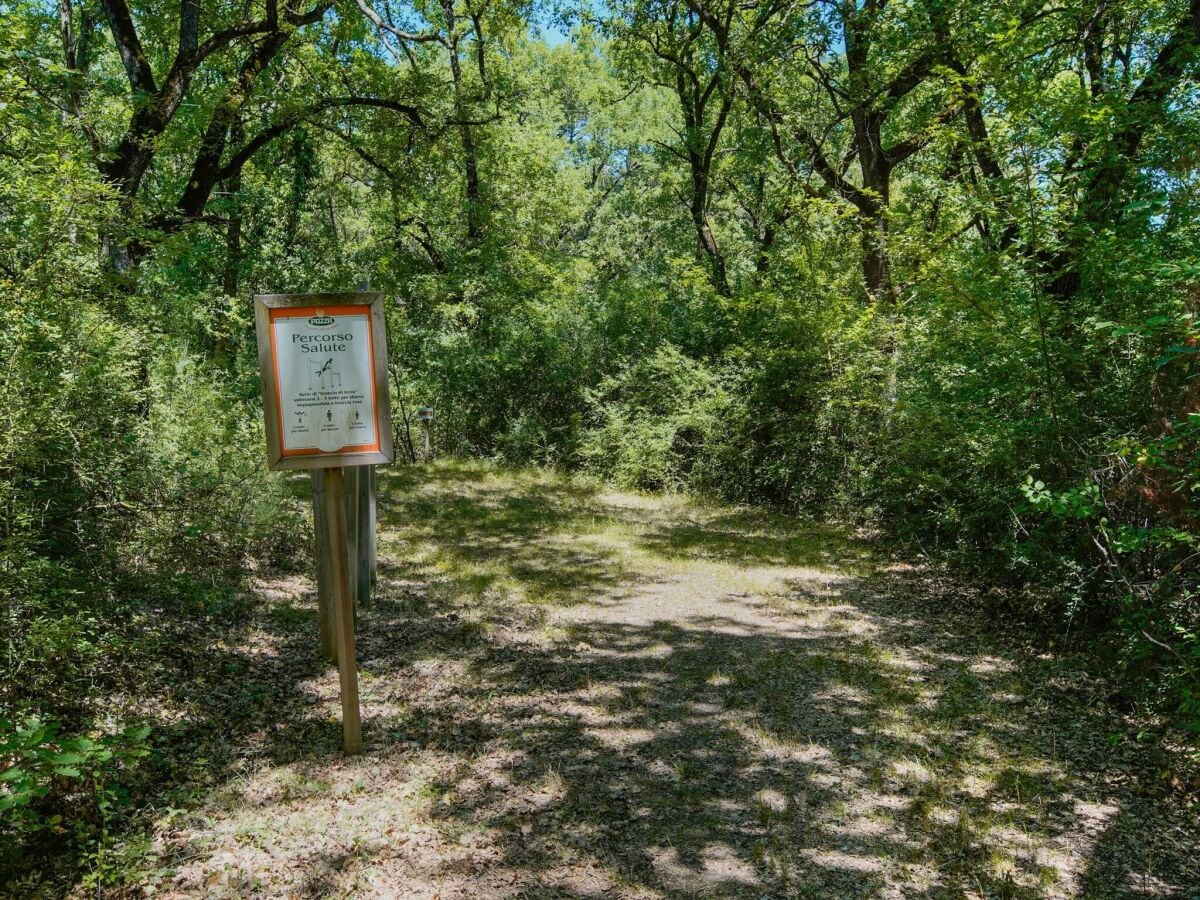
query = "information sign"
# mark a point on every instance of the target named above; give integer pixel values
(323, 360)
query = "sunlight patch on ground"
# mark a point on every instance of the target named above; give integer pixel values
(585, 692)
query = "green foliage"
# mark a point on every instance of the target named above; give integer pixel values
(214, 505)
(33, 754)
(927, 267)
(655, 421)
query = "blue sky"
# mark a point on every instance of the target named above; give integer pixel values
(554, 35)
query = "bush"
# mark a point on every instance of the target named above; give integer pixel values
(655, 422)
(132, 486)
(49, 780)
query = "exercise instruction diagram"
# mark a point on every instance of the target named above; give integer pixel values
(323, 377)
(324, 363)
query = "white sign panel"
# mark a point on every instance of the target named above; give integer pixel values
(326, 381)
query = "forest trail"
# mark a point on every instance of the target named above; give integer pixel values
(574, 692)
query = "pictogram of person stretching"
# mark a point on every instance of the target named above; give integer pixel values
(323, 377)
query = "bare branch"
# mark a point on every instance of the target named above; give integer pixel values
(416, 37)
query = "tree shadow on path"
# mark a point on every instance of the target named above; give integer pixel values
(841, 733)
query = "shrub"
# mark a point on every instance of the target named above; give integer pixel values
(655, 421)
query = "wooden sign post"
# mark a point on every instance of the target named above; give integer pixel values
(362, 544)
(325, 620)
(323, 361)
(425, 417)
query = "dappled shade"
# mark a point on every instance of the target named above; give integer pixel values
(561, 700)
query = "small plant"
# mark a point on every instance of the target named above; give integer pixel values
(38, 765)
(1145, 572)
(1075, 503)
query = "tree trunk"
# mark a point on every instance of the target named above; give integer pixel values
(230, 278)
(465, 134)
(877, 268)
(705, 239)
(873, 204)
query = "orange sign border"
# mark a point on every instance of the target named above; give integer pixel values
(268, 309)
(305, 312)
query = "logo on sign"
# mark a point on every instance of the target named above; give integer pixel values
(320, 320)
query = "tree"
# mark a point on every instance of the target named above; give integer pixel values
(192, 51)
(685, 50)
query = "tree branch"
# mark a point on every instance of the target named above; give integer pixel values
(129, 45)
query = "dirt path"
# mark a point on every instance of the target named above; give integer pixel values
(577, 693)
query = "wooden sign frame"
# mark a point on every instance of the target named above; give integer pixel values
(268, 308)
